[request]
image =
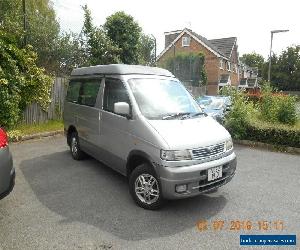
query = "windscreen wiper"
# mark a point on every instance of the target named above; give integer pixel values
(198, 114)
(172, 116)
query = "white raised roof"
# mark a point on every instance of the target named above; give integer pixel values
(120, 69)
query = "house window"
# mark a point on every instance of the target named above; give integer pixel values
(221, 64)
(186, 41)
(234, 68)
(224, 79)
(228, 66)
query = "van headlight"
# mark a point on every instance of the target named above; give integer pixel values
(175, 155)
(228, 145)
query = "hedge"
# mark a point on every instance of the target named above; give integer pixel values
(274, 135)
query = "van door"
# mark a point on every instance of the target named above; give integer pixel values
(114, 133)
(88, 115)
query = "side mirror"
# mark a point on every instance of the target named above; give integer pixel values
(122, 108)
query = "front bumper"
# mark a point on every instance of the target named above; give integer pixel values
(195, 177)
(11, 184)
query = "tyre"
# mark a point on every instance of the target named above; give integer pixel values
(145, 187)
(76, 152)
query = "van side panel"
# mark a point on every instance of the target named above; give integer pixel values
(88, 127)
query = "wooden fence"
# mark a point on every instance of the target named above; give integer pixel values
(35, 114)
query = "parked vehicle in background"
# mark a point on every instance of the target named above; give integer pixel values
(227, 101)
(204, 100)
(142, 122)
(215, 106)
(7, 172)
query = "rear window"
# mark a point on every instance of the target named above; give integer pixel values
(73, 92)
(89, 92)
(83, 92)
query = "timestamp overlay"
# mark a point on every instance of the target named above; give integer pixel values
(252, 232)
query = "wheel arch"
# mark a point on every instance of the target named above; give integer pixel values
(136, 158)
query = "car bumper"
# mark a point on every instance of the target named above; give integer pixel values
(11, 184)
(195, 177)
(7, 172)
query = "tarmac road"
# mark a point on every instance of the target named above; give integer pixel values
(59, 203)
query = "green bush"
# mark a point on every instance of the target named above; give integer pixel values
(268, 104)
(230, 91)
(239, 116)
(273, 134)
(287, 113)
(277, 112)
(21, 81)
(277, 107)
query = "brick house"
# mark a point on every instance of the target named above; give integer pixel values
(221, 56)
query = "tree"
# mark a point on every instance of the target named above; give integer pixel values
(99, 48)
(42, 29)
(11, 18)
(274, 67)
(43, 32)
(285, 71)
(253, 60)
(21, 80)
(146, 50)
(125, 33)
(70, 53)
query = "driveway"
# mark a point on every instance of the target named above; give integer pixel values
(59, 203)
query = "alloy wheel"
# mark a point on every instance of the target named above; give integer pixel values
(147, 188)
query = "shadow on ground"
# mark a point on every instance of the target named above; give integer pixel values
(91, 193)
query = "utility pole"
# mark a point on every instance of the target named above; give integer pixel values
(174, 66)
(24, 22)
(154, 39)
(270, 58)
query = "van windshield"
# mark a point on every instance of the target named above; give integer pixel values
(163, 99)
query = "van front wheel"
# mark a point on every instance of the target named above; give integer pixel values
(145, 188)
(76, 152)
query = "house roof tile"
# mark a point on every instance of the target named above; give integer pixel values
(224, 45)
(208, 43)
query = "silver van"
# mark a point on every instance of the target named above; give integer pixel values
(142, 122)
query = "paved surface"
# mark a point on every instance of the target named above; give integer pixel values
(59, 203)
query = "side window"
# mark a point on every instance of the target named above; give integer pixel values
(114, 91)
(89, 92)
(73, 91)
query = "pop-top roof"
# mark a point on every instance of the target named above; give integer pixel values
(121, 69)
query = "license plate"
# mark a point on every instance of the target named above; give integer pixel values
(214, 173)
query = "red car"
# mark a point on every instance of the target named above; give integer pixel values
(7, 171)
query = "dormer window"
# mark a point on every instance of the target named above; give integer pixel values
(186, 41)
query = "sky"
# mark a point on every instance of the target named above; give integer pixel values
(249, 21)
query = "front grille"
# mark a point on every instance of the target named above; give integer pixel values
(208, 152)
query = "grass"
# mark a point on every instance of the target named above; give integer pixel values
(26, 129)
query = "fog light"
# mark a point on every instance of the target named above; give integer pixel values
(181, 188)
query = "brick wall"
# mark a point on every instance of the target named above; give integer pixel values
(211, 63)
